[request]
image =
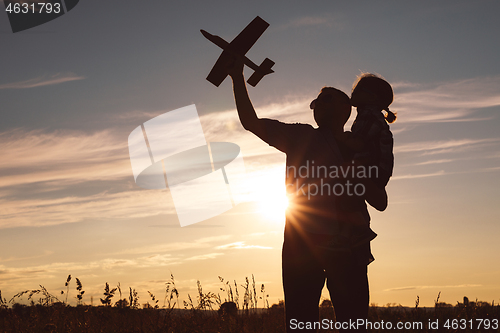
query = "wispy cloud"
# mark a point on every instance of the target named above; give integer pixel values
(69, 209)
(456, 101)
(177, 246)
(144, 257)
(60, 160)
(50, 162)
(491, 169)
(55, 168)
(433, 287)
(440, 146)
(157, 260)
(435, 162)
(38, 156)
(205, 256)
(43, 81)
(310, 21)
(426, 175)
(60, 268)
(324, 21)
(38, 256)
(225, 125)
(404, 84)
(241, 245)
(137, 115)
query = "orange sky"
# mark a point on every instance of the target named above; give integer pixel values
(69, 204)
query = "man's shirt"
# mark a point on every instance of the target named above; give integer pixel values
(314, 182)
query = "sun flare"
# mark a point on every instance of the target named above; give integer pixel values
(273, 206)
(270, 194)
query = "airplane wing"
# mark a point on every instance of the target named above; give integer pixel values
(245, 40)
(218, 72)
(240, 45)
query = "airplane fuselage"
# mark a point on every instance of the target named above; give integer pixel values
(237, 48)
(227, 48)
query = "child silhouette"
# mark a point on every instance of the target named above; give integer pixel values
(372, 143)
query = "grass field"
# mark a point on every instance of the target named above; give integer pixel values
(235, 311)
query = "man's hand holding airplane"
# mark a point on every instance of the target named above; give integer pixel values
(238, 47)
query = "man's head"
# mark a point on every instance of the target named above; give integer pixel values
(331, 108)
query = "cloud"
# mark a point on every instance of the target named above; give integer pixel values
(433, 287)
(213, 239)
(456, 101)
(404, 84)
(60, 268)
(491, 169)
(410, 176)
(67, 209)
(308, 21)
(136, 116)
(157, 260)
(56, 177)
(178, 246)
(205, 256)
(40, 171)
(241, 245)
(43, 81)
(261, 234)
(436, 162)
(225, 125)
(61, 163)
(441, 146)
(323, 21)
(37, 156)
(38, 256)
(155, 257)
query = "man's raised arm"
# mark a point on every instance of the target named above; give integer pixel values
(246, 112)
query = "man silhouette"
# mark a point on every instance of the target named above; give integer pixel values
(316, 208)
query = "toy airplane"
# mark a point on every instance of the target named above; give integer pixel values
(239, 47)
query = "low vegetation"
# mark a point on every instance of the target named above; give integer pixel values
(242, 308)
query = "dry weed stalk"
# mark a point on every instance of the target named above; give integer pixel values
(80, 290)
(170, 291)
(108, 295)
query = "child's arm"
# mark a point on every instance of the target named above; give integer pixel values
(352, 142)
(375, 196)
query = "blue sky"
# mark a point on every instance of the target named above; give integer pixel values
(72, 90)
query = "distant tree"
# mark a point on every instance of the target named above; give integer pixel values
(122, 303)
(280, 305)
(443, 305)
(227, 310)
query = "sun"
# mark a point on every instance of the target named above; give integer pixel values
(270, 194)
(273, 204)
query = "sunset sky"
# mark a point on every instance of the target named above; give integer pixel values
(72, 90)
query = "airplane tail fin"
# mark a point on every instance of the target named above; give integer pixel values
(264, 69)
